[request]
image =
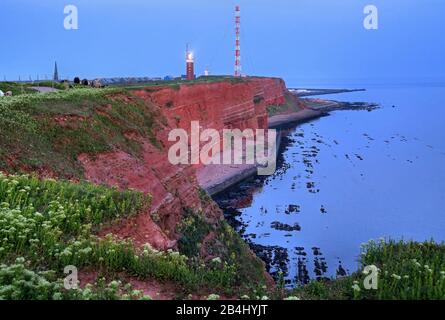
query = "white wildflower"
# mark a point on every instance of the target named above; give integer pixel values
(395, 276)
(291, 298)
(216, 260)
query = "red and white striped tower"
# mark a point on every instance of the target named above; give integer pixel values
(237, 42)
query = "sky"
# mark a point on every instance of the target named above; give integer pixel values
(302, 41)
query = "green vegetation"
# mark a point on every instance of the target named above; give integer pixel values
(16, 88)
(79, 101)
(51, 130)
(204, 196)
(249, 270)
(25, 88)
(193, 229)
(289, 106)
(17, 282)
(49, 84)
(406, 270)
(242, 270)
(47, 225)
(175, 84)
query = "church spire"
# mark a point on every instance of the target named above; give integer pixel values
(56, 73)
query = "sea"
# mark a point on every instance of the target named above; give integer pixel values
(346, 179)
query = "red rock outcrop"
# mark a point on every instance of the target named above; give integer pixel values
(219, 105)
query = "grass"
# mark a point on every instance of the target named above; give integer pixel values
(289, 106)
(47, 132)
(50, 84)
(16, 88)
(51, 224)
(193, 229)
(79, 101)
(25, 88)
(243, 270)
(175, 84)
(91, 121)
(204, 196)
(406, 271)
(250, 270)
(46, 225)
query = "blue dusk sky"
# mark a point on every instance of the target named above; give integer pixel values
(302, 41)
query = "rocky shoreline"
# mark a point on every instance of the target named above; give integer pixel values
(318, 92)
(217, 178)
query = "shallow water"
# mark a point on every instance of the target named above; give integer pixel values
(345, 179)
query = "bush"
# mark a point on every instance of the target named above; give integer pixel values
(50, 224)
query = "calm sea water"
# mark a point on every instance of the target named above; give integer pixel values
(345, 179)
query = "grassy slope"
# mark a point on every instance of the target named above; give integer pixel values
(33, 141)
(177, 83)
(15, 88)
(24, 88)
(288, 107)
(406, 270)
(46, 225)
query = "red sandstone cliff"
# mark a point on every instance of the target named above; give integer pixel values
(219, 105)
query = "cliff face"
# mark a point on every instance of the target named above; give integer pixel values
(220, 105)
(174, 188)
(119, 137)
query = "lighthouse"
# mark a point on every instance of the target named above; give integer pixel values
(190, 64)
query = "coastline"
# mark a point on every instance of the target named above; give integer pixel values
(217, 178)
(295, 117)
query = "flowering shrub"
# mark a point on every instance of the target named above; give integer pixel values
(17, 282)
(50, 224)
(13, 119)
(406, 270)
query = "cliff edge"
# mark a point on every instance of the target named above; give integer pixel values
(118, 137)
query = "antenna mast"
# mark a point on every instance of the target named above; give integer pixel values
(237, 42)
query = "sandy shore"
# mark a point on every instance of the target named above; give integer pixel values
(295, 117)
(216, 178)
